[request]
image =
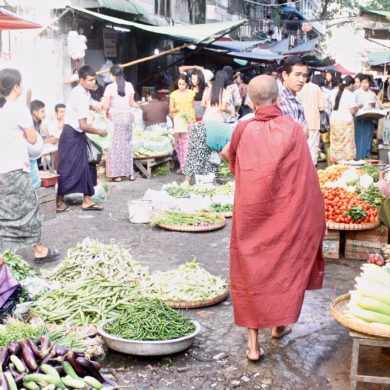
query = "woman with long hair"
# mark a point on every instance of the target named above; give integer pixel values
(20, 220)
(181, 107)
(342, 139)
(233, 96)
(330, 79)
(364, 129)
(119, 99)
(198, 85)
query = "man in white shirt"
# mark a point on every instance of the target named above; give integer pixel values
(77, 175)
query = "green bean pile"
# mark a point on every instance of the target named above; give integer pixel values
(91, 258)
(150, 320)
(84, 303)
(179, 218)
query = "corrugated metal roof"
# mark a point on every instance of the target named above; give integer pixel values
(11, 21)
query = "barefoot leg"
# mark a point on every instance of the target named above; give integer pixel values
(279, 331)
(253, 344)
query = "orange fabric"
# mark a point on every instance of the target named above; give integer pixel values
(278, 221)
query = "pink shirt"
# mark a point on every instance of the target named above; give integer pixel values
(384, 187)
(120, 103)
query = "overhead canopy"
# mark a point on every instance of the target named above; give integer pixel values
(191, 33)
(305, 47)
(261, 55)
(337, 68)
(375, 12)
(130, 7)
(278, 46)
(233, 45)
(291, 10)
(378, 56)
(12, 21)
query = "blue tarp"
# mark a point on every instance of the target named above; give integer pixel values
(278, 46)
(233, 45)
(256, 55)
(306, 47)
(291, 10)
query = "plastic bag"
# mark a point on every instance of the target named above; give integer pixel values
(215, 158)
(95, 152)
(10, 305)
(35, 151)
(100, 195)
(102, 123)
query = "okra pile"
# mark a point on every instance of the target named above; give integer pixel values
(40, 364)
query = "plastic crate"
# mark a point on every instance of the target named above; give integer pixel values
(49, 181)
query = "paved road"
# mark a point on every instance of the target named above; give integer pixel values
(315, 356)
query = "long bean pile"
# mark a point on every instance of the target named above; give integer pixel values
(84, 303)
(93, 259)
(150, 320)
(189, 283)
(179, 218)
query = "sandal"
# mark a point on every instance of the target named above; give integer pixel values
(61, 210)
(51, 255)
(92, 207)
(132, 178)
(117, 179)
(261, 354)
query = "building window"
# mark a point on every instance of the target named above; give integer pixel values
(162, 7)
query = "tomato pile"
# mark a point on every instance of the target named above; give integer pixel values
(338, 200)
(332, 173)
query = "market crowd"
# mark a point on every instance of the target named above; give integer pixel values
(269, 128)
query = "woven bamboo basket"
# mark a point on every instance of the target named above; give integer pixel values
(198, 304)
(352, 226)
(226, 214)
(338, 308)
(187, 228)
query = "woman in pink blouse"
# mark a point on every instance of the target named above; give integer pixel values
(118, 99)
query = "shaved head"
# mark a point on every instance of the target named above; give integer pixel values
(263, 90)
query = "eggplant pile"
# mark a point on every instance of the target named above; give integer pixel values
(26, 364)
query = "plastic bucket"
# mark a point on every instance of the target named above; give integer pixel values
(140, 211)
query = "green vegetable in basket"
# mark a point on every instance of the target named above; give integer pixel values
(372, 171)
(150, 320)
(372, 195)
(357, 213)
(219, 208)
(179, 218)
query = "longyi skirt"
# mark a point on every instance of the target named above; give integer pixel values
(20, 221)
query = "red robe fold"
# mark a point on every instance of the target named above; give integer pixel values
(278, 221)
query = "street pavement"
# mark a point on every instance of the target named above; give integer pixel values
(315, 356)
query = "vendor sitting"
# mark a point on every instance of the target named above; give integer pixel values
(155, 113)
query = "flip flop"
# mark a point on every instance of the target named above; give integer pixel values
(52, 254)
(261, 354)
(132, 179)
(92, 207)
(117, 179)
(66, 208)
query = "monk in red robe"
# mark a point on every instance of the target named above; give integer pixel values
(278, 220)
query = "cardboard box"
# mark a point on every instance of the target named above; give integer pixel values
(47, 202)
(359, 244)
(331, 245)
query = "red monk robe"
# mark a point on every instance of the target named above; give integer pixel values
(278, 221)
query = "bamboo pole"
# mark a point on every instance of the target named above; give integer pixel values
(163, 53)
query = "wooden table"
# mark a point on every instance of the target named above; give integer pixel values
(146, 163)
(365, 339)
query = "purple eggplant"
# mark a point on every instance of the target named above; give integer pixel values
(47, 359)
(59, 369)
(4, 382)
(14, 348)
(14, 373)
(4, 356)
(45, 343)
(61, 351)
(28, 355)
(72, 359)
(96, 364)
(108, 381)
(88, 365)
(37, 352)
(19, 378)
(25, 365)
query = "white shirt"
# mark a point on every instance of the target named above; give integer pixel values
(365, 98)
(77, 107)
(14, 118)
(347, 101)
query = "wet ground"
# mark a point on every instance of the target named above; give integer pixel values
(316, 355)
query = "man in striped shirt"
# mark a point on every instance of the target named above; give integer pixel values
(294, 73)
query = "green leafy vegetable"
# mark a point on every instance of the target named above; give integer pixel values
(15, 330)
(224, 171)
(19, 268)
(357, 213)
(219, 208)
(372, 171)
(372, 195)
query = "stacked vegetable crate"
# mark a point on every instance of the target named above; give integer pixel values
(331, 244)
(47, 202)
(359, 244)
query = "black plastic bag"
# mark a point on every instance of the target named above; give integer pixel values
(95, 152)
(9, 307)
(324, 122)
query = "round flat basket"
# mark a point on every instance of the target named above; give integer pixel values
(187, 228)
(157, 155)
(227, 214)
(352, 226)
(148, 348)
(337, 310)
(197, 304)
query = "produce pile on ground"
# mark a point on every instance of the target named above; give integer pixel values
(370, 300)
(19, 268)
(93, 259)
(151, 143)
(184, 189)
(36, 363)
(150, 320)
(188, 283)
(83, 303)
(351, 195)
(178, 218)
